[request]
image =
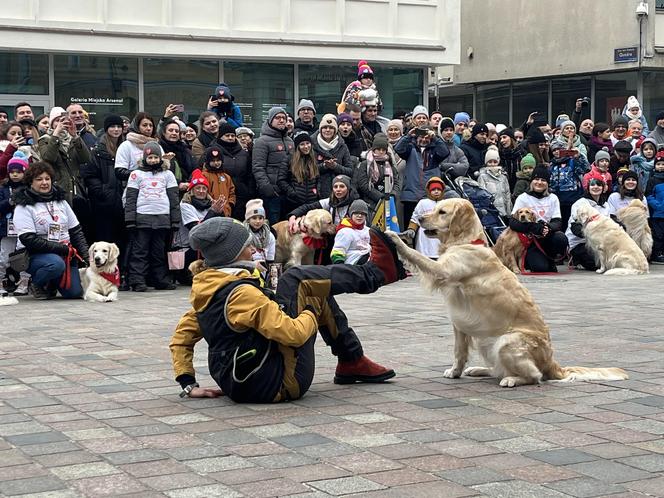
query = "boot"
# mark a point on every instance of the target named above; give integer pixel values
(22, 288)
(124, 284)
(384, 256)
(361, 370)
(140, 287)
(40, 293)
(165, 285)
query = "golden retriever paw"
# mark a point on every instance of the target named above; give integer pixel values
(394, 237)
(512, 381)
(477, 372)
(452, 373)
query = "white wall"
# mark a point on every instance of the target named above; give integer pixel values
(417, 32)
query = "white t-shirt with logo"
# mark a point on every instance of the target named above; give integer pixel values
(546, 208)
(49, 220)
(152, 195)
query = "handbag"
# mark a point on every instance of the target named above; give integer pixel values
(19, 260)
(175, 260)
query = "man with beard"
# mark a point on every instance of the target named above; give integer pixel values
(370, 126)
(456, 164)
(306, 117)
(475, 148)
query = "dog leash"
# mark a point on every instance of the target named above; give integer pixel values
(65, 280)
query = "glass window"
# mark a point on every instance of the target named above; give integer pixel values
(324, 85)
(611, 93)
(452, 99)
(564, 94)
(257, 87)
(493, 103)
(527, 97)
(653, 95)
(401, 89)
(24, 73)
(179, 81)
(102, 85)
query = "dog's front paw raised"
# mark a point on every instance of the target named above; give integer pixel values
(452, 373)
(394, 237)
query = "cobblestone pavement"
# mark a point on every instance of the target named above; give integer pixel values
(88, 406)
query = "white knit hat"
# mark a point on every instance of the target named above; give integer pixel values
(254, 208)
(56, 112)
(491, 153)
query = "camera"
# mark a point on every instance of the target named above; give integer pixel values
(585, 101)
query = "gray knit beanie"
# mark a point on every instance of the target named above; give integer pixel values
(220, 240)
(273, 112)
(358, 206)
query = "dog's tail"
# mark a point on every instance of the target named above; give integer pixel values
(624, 271)
(571, 374)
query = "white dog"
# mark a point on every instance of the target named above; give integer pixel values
(635, 218)
(615, 252)
(101, 279)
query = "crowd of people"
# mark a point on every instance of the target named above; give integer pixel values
(144, 183)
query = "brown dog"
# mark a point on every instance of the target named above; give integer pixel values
(509, 248)
(635, 218)
(291, 248)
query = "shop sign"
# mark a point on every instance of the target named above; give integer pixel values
(97, 100)
(627, 54)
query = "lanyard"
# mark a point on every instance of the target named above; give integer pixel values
(51, 210)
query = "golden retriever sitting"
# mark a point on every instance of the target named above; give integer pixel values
(635, 218)
(292, 249)
(616, 253)
(509, 247)
(101, 279)
(488, 306)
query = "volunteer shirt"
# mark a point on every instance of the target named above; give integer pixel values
(189, 215)
(546, 208)
(152, 195)
(425, 245)
(129, 156)
(615, 202)
(50, 220)
(573, 239)
(353, 243)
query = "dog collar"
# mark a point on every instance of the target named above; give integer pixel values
(113, 278)
(478, 242)
(594, 217)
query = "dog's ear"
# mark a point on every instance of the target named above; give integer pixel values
(113, 252)
(461, 218)
(314, 222)
(91, 252)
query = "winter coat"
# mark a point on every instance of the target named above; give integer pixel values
(237, 164)
(67, 165)
(149, 191)
(642, 119)
(456, 164)
(373, 193)
(6, 209)
(510, 160)
(658, 135)
(310, 129)
(354, 144)
(343, 166)
(597, 174)
(577, 144)
(475, 153)
(221, 185)
(104, 189)
(597, 144)
(566, 174)
(297, 193)
(232, 117)
(420, 165)
(614, 165)
(655, 195)
(521, 185)
(272, 150)
(494, 180)
(643, 168)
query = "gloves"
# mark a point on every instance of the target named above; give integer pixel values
(409, 234)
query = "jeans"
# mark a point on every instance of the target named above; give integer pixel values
(47, 269)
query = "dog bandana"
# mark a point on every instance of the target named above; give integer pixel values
(113, 278)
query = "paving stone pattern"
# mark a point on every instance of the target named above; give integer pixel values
(88, 406)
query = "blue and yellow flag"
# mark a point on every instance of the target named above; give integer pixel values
(386, 220)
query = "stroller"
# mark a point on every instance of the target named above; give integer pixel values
(482, 201)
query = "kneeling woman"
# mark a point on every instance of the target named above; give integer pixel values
(47, 227)
(548, 243)
(595, 196)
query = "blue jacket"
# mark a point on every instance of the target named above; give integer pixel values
(566, 176)
(420, 167)
(656, 199)
(233, 118)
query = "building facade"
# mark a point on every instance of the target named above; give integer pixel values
(122, 56)
(519, 56)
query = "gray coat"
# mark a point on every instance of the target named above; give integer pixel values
(271, 151)
(456, 163)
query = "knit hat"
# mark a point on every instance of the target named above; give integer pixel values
(226, 128)
(273, 112)
(557, 145)
(632, 102)
(620, 120)
(507, 131)
(491, 126)
(212, 153)
(435, 182)
(343, 179)
(535, 136)
(500, 127)
(18, 162)
(243, 130)
(491, 153)
(329, 120)
(223, 90)
(528, 160)
(623, 146)
(420, 109)
(56, 112)
(380, 142)
(541, 172)
(567, 123)
(305, 104)
(479, 128)
(254, 208)
(197, 178)
(445, 123)
(344, 117)
(112, 120)
(630, 174)
(461, 117)
(364, 70)
(659, 157)
(602, 154)
(561, 119)
(151, 148)
(358, 206)
(659, 115)
(193, 126)
(301, 136)
(397, 123)
(220, 240)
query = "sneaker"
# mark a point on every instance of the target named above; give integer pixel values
(139, 287)
(40, 293)
(658, 260)
(165, 286)
(3, 292)
(384, 256)
(361, 370)
(22, 288)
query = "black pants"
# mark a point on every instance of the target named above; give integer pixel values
(148, 256)
(554, 246)
(657, 227)
(581, 255)
(296, 288)
(408, 208)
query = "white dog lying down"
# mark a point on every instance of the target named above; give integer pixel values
(101, 279)
(488, 306)
(615, 252)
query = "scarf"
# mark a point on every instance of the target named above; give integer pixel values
(233, 148)
(635, 115)
(349, 223)
(65, 139)
(201, 204)
(602, 143)
(260, 236)
(138, 139)
(206, 138)
(373, 169)
(39, 197)
(327, 146)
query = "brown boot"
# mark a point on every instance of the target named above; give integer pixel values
(384, 256)
(361, 370)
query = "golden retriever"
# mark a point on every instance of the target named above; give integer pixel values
(615, 252)
(101, 278)
(509, 248)
(489, 307)
(291, 249)
(635, 218)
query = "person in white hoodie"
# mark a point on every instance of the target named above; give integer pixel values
(494, 180)
(633, 110)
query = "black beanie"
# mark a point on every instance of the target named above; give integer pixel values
(213, 152)
(226, 128)
(541, 172)
(660, 115)
(620, 120)
(535, 136)
(479, 128)
(112, 120)
(301, 136)
(507, 131)
(445, 123)
(630, 174)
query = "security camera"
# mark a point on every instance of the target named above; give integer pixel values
(642, 9)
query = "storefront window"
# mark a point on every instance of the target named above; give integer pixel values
(493, 103)
(257, 87)
(611, 93)
(24, 73)
(565, 91)
(179, 81)
(102, 85)
(452, 100)
(527, 97)
(324, 85)
(653, 95)
(401, 89)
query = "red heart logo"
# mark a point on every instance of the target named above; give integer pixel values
(154, 184)
(55, 218)
(280, 147)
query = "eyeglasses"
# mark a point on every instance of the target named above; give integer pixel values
(280, 117)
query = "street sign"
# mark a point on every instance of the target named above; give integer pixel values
(627, 54)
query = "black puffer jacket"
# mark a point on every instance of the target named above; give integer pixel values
(104, 189)
(343, 166)
(296, 193)
(36, 244)
(271, 151)
(475, 152)
(237, 164)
